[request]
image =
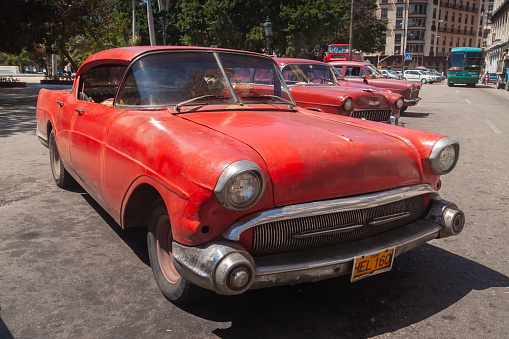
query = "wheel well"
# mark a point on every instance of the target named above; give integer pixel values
(137, 209)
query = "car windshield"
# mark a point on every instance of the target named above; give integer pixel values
(201, 78)
(373, 72)
(338, 49)
(304, 74)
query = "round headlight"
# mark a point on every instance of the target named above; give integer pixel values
(399, 103)
(444, 156)
(240, 186)
(243, 189)
(348, 104)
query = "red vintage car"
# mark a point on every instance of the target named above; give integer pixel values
(366, 73)
(238, 187)
(315, 85)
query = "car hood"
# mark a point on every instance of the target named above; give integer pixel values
(312, 158)
(329, 94)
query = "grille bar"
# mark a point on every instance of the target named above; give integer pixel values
(330, 229)
(379, 115)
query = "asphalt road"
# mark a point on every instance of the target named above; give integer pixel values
(67, 270)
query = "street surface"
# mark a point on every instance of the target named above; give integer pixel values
(67, 270)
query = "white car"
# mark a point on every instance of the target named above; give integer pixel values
(389, 74)
(417, 75)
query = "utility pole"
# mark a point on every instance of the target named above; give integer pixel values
(151, 32)
(134, 21)
(350, 39)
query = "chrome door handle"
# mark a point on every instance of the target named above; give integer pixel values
(60, 103)
(80, 111)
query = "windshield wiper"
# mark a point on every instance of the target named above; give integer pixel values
(203, 97)
(268, 96)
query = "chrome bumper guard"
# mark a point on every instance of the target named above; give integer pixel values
(227, 268)
(411, 102)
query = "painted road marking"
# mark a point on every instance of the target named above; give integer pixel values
(468, 101)
(493, 127)
(457, 91)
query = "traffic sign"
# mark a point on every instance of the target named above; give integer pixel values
(408, 56)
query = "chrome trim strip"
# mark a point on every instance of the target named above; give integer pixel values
(326, 207)
(389, 218)
(335, 229)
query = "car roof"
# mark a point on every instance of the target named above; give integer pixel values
(127, 54)
(286, 61)
(350, 63)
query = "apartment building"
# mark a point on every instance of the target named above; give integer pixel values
(497, 38)
(428, 29)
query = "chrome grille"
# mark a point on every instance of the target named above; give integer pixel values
(414, 94)
(380, 115)
(285, 235)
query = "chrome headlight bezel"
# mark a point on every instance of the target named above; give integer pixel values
(348, 104)
(226, 179)
(435, 158)
(400, 102)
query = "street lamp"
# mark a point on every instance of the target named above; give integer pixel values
(268, 32)
(164, 6)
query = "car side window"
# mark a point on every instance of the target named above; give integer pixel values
(354, 71)
(99, 83)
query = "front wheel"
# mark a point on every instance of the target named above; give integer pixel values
(450, 84)
(402, 109)
(60, 175)
(159, 240)
(423, 80)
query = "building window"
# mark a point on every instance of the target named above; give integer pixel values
(470, 43)
(471, 30)
(446, 16)
(399, 12)
(466, 19)
(468, 5)
(453, 16)
(415, 35)
(450, 41)
(399, 24)
(384, 13)
(444, 40)
(434, 13)
(459, 18)
(385, 2)
(416, 22)
(400, 1)
(397, 39)
(432, 39)
(472, 20)
(464, 42)
(417, 9)
(457, 42)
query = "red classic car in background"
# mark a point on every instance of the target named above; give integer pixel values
(314, 85)
(366, 73)
(238, 187)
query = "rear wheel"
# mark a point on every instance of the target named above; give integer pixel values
(159, 240)
(60, 175)
(450, 84)
(423, 80)
(404, 108)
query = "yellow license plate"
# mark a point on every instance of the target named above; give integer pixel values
(370, 264)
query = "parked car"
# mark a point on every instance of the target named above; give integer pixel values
(238, 187)
(316, 85)
(389, 74)
(418, 75)
(492, 79)
(367, 74)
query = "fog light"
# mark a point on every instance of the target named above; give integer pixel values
(454, 221)
(239, 277)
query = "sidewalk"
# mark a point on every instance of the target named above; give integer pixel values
(25, 94)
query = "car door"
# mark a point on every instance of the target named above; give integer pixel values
(92, 116)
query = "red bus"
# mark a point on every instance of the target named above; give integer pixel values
(338, 52)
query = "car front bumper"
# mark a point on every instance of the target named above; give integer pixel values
(216, 264)
(411, 102)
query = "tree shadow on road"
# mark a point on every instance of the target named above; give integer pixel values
(17, 119)
(423, 283)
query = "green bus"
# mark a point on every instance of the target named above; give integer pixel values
(464, 66)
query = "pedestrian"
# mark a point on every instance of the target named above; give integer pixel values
(486, 78)
(67, 69)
